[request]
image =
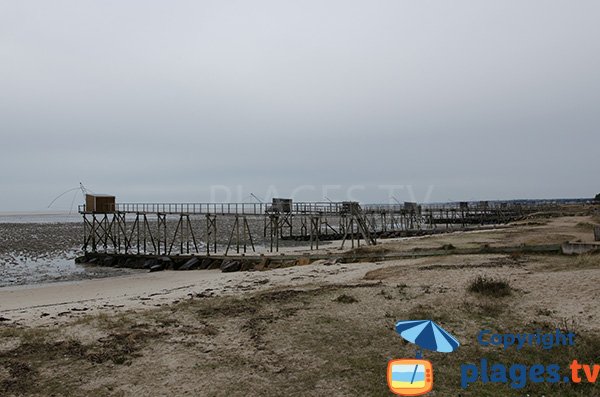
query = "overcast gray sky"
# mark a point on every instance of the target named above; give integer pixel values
(173, 100)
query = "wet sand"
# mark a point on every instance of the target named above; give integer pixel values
(35, 253)
(37, 249)
(40, 304)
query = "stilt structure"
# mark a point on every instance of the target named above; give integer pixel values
(193, 228)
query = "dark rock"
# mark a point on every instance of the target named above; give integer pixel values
(205, 264)
(135, 263)
(131, 263)
(231, 266)
(331, 261)
(150, 262)
(247, 265)
(215, 264)
(119, 262)
(193, 263)
(109, 261)
(157, 268)
(166, 261)
(177, 263)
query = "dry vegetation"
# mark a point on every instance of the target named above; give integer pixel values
(313, 340)
(321, 339)
(489, 286)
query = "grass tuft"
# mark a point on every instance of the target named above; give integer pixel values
(490, 286)
(346, 299)
(587, 261)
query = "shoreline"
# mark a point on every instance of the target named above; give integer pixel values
(49, 303)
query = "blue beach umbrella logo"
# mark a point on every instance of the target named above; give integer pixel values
(427, 335)
(414, 377)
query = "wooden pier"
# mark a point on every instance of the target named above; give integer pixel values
(221, 228)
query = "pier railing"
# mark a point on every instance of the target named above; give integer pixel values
(223, 208)
(296, 208)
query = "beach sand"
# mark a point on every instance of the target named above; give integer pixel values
(309, 330)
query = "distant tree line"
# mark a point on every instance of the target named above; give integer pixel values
(597, 198)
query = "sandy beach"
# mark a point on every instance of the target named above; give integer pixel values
(301, 329)
(48, 303)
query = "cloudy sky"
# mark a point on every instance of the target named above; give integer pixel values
(212, 100)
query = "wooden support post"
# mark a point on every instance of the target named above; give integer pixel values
(191, 230)
(234, 227)
(162, 223)
(274, 228)
(211, 230)
(85, 234)
(244, 222)
(249, 235)
(237, 233)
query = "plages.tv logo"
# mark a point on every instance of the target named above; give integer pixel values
(414, 377)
